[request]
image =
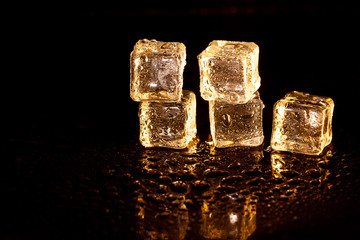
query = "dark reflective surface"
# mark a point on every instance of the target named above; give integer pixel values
(100, 189)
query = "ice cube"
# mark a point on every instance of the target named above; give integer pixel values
(229, 71)
(156, 70)
(302, 123)
(237, 124)
(168, 124)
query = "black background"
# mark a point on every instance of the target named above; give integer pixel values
(72, 64)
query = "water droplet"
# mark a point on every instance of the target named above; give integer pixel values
(326, 164)
(276, 189)
(153, 166)
(283, 197)
(190, 160)
(183, 207)
(212, 163)
(153, 159)
(289, 192)
(172, 162)
(256, 181)
(164, 179)
(315, 182)
(252, 172)
(124, 177)
(189, 203)
(190, 154)
(235, 165)
(277, 180)
(207, 195)
(175, 203)
(244, 192)
(201, 185)
(163, 215)
(258, 193)
(232, 179)
(289, 173)
(178, 186)
(162, 189)
(314, 173)
(134, 185)
(227, 189)
(154, 198)
(151, 174)
(188, 176)
(213, 173)
(295, 181)
(240, 199)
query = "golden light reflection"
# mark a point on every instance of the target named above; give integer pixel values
(237, 223)
(192, 147)
(140, 205)
(277, 164)
(205, 207)
(251, 154)
(298, 167)
(169, 224)
(233, 217)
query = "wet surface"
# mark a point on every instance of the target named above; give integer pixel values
(71, 188)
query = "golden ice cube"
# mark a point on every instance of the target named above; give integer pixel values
(237, 124)
(302, 123)
(229, 71)
(168, 124)
(156, 70)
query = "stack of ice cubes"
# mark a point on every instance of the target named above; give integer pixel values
(229, 80)
(167, 113)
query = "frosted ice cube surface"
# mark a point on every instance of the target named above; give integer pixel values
(156, 70)
(168, 124)
(302, 123)
(229, 71)
(237, 124)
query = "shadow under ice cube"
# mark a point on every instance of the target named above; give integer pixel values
(237, 124)
(302, 123)
(156, 70)
(168, 124)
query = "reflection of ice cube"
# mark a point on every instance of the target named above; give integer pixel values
(237, 124)
(168, 124)
(229, 71)
(162, 225)
(156, 70)
(302, 123)
(285, 164)
(236, 223)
